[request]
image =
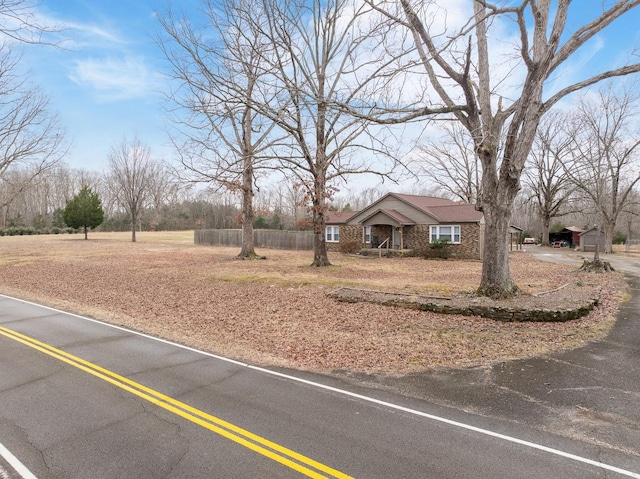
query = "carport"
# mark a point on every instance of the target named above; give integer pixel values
(570, 234)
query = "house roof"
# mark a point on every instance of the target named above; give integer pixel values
(574, 229)
(456, 213)
(339, 217)
(393, 214)
(441, 209)
(422, 202)
(595, 228)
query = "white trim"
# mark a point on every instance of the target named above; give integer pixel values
(335, 232)
(453, 234)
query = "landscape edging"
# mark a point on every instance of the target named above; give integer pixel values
(468, 306)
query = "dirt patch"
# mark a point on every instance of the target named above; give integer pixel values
(276, 311)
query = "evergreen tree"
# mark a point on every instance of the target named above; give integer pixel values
(84, 211)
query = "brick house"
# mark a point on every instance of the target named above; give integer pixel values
(410, 222)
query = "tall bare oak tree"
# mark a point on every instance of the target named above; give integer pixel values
(323, 59)
(500, 107)
(220, 137)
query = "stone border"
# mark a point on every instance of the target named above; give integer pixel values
(520, 309)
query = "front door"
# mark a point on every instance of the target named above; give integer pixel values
(395, 244)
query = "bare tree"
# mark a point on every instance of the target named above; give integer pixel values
(629, 215)
(545, 174)
(606, 153)
(451, 164)
(131, 175)
(31, 142)
(219, 135)
(474, 83)
(164, 189)
(20, 22)
(323, 59)
(30, 138)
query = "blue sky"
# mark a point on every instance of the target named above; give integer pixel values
(106, 84)
(105, 81)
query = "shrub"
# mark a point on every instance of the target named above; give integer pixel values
(619, 238)
(442, 248)
(419, 252)
(350, 247)
(438, 249)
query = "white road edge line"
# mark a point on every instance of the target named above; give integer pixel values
(361, 397)
(15, 463)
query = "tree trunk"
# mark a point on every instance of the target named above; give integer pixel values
(496, 279)
(85, 233)
(546, 222)
(134, 219)
(497, 205)
(608, 227)
(320, 256)
(248, 247)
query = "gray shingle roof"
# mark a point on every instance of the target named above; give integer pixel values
(339, 217)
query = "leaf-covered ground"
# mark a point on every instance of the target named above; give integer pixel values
(276, 311)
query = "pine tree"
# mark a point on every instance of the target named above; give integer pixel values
(84, 211)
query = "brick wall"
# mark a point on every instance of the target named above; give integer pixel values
(416, 237)
(347, 233)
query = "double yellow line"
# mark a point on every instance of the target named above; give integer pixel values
(280, 454)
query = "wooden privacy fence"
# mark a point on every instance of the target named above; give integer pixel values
(274, 239)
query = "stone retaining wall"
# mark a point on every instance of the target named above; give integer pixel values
(536, 310)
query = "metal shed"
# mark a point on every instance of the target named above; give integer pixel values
(590, 238)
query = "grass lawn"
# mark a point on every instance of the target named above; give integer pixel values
(276, 311)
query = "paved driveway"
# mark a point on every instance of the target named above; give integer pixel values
(626, 264)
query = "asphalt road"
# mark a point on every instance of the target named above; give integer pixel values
(80, 399)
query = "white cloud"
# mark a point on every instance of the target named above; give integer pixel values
(114, 79)
(95, 34)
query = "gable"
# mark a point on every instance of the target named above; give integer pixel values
(387, 217)
(402, 209)
(595, 231)
(392, 202)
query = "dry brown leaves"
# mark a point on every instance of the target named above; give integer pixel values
(275, 311)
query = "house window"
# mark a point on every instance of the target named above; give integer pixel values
(449, 233)
(367, 234)
(332, 234)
